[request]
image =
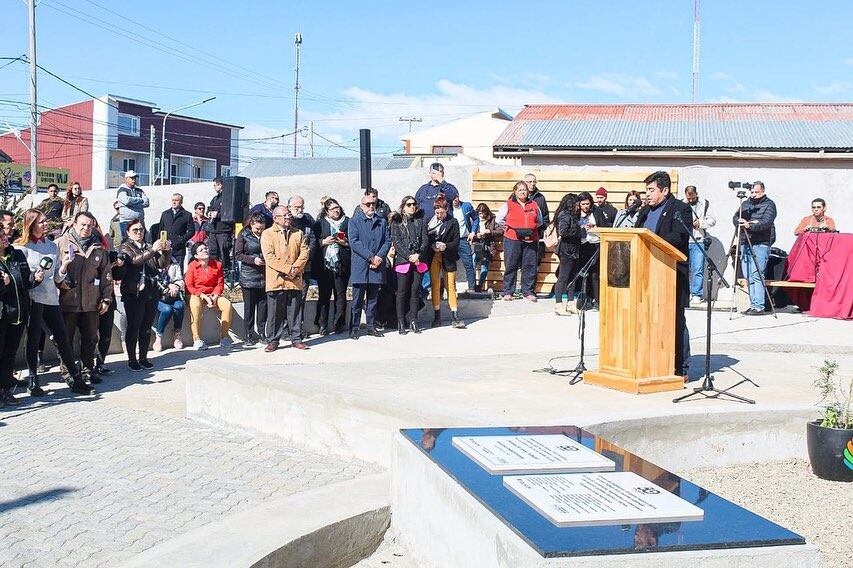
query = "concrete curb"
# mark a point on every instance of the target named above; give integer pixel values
(333, 526)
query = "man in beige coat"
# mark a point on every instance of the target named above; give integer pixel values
(285, 252)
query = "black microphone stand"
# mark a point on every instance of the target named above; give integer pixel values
(708, 384)
(583, 274)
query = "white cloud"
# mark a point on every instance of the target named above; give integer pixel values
(736, 88)
(619, 84)
(849, 61)
(668, 75)
(720, 76)
(834, 88)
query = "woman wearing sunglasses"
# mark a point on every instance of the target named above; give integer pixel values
(411, 245)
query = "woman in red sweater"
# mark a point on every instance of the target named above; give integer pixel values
(205, 281)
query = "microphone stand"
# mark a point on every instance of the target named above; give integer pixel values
(708, 384)
(583, 274)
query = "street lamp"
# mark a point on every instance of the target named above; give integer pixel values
(163, 134)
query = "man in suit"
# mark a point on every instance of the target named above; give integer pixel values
(670, 219)
(179, 226)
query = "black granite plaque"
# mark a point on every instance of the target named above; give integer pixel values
(725, 525)
(619, 264)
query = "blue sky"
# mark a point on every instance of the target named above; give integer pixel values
(438, 60)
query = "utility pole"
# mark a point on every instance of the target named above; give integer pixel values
(297, 40)
(34, 111)
(410, 120)
(696, 18)
(152, 149)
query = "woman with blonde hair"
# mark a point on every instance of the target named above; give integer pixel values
(43, 255)
(74, 203)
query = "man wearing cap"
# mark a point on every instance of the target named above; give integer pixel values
(429, 192)
(132, 201)
(604, 212)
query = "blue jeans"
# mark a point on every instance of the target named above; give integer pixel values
(467, 256)
(175, 309)
(697, 262)
(754, 273)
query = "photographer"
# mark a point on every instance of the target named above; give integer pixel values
(171, 304)
(139, 293)
(756, 221)
(411, 243)
(88, 292)
(818, 221)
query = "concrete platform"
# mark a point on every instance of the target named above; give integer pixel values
(349, 397)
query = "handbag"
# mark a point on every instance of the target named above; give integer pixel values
(523, 234)
(551, 238)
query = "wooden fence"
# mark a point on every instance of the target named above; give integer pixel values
(494, 187)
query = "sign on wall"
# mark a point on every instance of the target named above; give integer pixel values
(19, 176)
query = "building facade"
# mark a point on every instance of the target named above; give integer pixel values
(99, 139)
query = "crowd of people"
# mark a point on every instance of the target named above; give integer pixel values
(62, 274)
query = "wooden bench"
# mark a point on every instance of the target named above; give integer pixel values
(787, 284)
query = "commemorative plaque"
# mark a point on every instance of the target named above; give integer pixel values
(591, 499)
(546, 453)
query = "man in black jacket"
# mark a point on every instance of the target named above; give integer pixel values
(757, 219)
(536, 196)
(305, 223)
(604, 212)
(220, 236)
(179, 226)
(670, 219)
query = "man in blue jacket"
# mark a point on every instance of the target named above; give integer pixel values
(756, 219)
(428, 192)
(369, 242)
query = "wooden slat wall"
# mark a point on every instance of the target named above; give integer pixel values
(494, 187)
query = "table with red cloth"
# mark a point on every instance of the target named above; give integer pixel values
(827, 260)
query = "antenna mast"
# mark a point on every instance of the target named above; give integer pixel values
(696, 18)
(297, 40)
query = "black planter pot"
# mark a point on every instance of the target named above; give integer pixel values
(827, 452)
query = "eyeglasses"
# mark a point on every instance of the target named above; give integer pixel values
(136, 230)
(411, 204)
(370, 203)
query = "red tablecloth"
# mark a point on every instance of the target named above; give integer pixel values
(827, 260)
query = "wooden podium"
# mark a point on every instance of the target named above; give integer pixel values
(637, 312)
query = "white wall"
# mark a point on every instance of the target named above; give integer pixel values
(345, 187)
(475, 134)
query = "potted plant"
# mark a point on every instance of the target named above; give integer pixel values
(830, 439)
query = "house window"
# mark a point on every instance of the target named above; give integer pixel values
(128, 164)
(447, 150)
(225, 171)
(128, 124)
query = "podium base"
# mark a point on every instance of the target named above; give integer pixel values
(634, 386)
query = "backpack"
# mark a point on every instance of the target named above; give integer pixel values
(551, 238)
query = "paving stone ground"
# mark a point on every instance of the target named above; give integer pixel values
(89, 483)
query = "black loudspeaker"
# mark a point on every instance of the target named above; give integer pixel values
(235, 199)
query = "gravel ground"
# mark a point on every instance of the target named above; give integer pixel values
(785, 492)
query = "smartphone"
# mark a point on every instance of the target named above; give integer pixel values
(46, 263)
(341, 235)
(70, 250)
(164, 236)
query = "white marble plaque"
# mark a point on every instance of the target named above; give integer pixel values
(589, 499)
(547, 453)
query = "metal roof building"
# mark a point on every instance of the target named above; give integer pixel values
(683, 128)
(279, 167)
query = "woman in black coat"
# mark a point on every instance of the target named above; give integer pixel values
(15, 281)
(443, 231)
(332, 265)
(411, 249)
(247, 249)
(568, 252)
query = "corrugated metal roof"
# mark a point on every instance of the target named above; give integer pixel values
(277, 167)
(774, 126)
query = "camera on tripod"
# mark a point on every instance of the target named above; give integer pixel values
(745, 185)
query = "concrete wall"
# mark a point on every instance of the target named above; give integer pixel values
(791, 184)
(345, 187)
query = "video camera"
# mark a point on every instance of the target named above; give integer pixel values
(743, 187)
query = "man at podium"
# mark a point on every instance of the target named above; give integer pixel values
(669, 218)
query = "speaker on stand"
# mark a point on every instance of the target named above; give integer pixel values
(235, 199)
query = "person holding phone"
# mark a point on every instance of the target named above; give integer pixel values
(89, 289)
(139, 292)
(411, 244)
(332, 266)
(247, 250)
(16, 280)
(43, 254)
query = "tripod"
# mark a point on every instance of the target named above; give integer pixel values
(708, 384)
(737, 262)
